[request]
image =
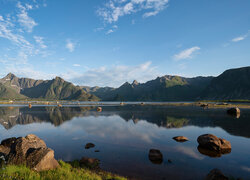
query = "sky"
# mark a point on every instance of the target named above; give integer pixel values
(109, 42)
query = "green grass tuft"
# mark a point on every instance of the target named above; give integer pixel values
(64, 172)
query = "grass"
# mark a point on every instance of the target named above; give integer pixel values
(64, 172)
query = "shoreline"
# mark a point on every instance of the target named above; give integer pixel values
(203, 104)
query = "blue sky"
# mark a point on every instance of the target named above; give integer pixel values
(108, 42)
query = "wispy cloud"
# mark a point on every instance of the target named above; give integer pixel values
(70, 45)
(114, 9)
(113, 29)
(240, 38)
(40, 42)
(114, 76)
(187, 53)
(76, 65)
(16, 27)
(25, 21)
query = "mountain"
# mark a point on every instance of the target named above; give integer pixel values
(166, 88)
(55, 89)
(231, 84)
(19, 84)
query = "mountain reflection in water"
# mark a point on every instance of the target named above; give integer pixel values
(125, 134)
(170, 117)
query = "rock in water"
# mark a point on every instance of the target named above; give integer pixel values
(89, 163)
(210, 141)
(155, 156)
(30, 150)
(99, 109)
(233, 111)
(89, 145)
(180, 138)
(216, 174)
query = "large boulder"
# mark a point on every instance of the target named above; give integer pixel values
(41, 159)
(155, 156)
(234, 111)
(212, 142)
(29, 150)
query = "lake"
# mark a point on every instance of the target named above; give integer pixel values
(125, 134)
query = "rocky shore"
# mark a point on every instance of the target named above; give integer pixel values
(29, 158)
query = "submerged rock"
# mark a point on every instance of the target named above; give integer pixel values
(180, 138)
(212, 142)
(89, 145)
(233, 111)
(216, 174)
(91, 163)
(29, 150)
(155, 156)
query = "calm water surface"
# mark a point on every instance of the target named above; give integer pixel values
(124, 135)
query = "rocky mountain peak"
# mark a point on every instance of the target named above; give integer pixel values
(135, 83)
(57, 78)
(9, 76)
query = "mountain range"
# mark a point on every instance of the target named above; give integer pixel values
(230, 85)
(12, 87)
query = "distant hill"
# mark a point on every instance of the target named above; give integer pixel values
(166, 88)
(13, 87)
(231, 84)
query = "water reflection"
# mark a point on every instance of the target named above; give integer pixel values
(125, 134)
(211, 153)
(170, 117)
(11, 116)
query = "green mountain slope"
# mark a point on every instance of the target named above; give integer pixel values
(7, 93)
(166, 88)
(231, 84)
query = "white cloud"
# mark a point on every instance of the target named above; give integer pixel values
(23, 18)
(187, 53)
(113, 76)
(40, 42)
(113, 29)
(114, 9)
(28, 71)
(70, 46)
(76, 65)
(110, 31)
(11, 29)
(241, 38)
